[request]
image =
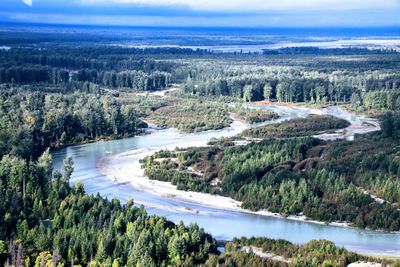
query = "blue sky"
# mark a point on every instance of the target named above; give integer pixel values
(219, 13)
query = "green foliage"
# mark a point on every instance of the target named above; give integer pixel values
(239, 252)
(325, 182)
(63, 97)
(82, 229)
(298, 127)
(30, 122)
(299, 79)
(192, 115)
(86, 71)
(390, 124)
(254, 115)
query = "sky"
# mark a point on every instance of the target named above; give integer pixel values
(206, 13)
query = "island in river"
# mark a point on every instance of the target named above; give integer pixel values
(113, 169)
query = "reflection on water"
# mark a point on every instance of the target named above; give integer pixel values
(221, 224)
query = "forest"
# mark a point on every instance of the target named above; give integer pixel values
(313, 253)
(325, 181)
(190, 114)
(311, 125)
(355, 79)
(30, 122)
(46, 222)
(368, 80)
(59, 96)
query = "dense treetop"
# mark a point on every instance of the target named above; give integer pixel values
(58, 96)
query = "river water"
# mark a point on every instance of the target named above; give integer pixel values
(221, 224)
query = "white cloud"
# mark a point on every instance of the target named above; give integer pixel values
(28, 2)
(225, 21)
(260, 5)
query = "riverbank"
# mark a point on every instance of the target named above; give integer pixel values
(214, 220)
(359, 124)
(116, 169)
(126, 168)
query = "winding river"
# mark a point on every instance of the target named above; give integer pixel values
(221, 223)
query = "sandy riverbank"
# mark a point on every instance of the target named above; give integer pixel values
(126, 168)
(358, 123)
(133, 173)
(356, 127)
(115, 167)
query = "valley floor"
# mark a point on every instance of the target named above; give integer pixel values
(126, 168)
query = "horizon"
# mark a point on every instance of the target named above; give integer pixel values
(199, 133)
(361, 31)
(205, 14)
(219, 39)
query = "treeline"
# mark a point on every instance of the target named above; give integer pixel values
(254, 115)
(327, 51)
(370, 162)
(99, 58)
(190, 115)
(45, 222)
(284, 78)
(383, 100)
(135, 69)
(292, 85)
(136, 80)
(31, 122)
(325, 182)
(311, 125)
(390, 124)
(287, 78)
(313, 253)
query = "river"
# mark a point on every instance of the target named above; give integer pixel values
(221, 223)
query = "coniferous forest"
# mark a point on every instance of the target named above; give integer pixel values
(63, 95)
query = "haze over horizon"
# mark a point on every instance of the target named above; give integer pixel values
(217, 13)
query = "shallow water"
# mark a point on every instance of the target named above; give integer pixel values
(220, 223)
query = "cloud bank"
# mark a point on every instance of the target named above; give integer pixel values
(258, 5)
(207, 13)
